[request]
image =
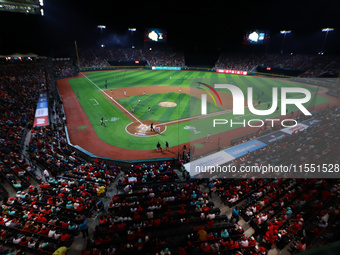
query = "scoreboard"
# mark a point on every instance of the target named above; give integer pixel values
(155, 35)
(23, 6)
(255, 37)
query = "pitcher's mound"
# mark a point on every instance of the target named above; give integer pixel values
(167, 104)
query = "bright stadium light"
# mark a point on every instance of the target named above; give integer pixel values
(284, 33)
(132, 29)
(327, 29)
(101, 27)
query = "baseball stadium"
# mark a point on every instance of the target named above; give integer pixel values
(124, 132)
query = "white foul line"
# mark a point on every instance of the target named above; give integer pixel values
(112, 99)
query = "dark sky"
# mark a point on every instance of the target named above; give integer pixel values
(206, 26)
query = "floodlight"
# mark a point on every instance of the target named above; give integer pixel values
(327, 29)
(133, 29)
(284, 33)
(254, 37)
(101, 26)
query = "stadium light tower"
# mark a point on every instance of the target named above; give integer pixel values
(284, 33)
(101, 27)
(327, 29)
(132, 29)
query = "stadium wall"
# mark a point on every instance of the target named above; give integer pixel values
(123, 163)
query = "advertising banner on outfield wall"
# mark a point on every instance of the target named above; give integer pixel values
(168, 68)
(231, 71)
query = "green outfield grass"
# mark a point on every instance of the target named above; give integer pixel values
(96, 105)
(134, 78)
(164, 114)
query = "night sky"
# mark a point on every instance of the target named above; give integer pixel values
(192, 26)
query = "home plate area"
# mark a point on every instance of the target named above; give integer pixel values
(141, 129)
(144, 128)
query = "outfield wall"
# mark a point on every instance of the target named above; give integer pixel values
(85, 69)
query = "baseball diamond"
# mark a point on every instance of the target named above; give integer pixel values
(144, 91)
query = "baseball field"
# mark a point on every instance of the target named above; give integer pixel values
(128, 101)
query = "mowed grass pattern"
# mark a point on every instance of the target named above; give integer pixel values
(164, 114)
(120, 79)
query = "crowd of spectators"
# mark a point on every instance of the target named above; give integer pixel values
(334, 92)
(20, 84)
(290, 213)
(278, 209)
(322, 65)
(315, 144)
(310, 65)
(35, 220)
(49, 149)
(238, 62)
(46, 218)
(154, 57)
(164, 58)
(64, 67)
(159, 215)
